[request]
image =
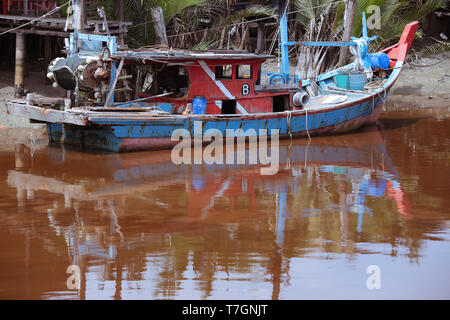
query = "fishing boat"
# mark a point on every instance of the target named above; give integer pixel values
(133, 100)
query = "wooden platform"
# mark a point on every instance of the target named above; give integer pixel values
(55, 26)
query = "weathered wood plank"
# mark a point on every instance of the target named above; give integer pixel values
(20, 108)
(277, 87)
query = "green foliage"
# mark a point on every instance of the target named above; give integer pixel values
(138, 11)
(205, 45)
(316, 17)
(309, 10)
(395, 15)
(214, 15)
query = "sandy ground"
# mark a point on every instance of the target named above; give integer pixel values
(422, 87)
(418, 87)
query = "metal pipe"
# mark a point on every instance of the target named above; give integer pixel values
(19, 72)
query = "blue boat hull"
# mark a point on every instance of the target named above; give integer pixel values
(127, 135)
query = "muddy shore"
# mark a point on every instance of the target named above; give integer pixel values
(422, 85)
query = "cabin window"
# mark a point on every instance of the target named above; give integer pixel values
(167, 79)
(224, 72)
(244, 71)
(280, 103)
(228, 106)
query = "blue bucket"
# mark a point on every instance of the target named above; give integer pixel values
(357, 81)
(199, 105)
(379, 61)
(342, 80)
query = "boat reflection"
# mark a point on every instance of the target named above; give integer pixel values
(126, 218)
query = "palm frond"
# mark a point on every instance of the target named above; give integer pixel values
(206, 44)
(253, 11)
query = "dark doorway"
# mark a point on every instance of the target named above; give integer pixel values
(228, 106)
(280, 103)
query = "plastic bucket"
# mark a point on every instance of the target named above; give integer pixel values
(379, 61)
(357, 81)
(199, 105)
(342, 80)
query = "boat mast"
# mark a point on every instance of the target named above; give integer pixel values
(284, 43)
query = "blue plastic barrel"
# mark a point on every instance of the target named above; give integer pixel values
(379, 61)
(199, 105)
(357, 81)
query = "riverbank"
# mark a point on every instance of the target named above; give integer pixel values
(422, 84)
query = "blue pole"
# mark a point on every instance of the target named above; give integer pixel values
(284, 37)
(364, 25)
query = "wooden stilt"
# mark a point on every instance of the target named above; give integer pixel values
(20, 57)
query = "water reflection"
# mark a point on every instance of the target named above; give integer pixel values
(139, 226)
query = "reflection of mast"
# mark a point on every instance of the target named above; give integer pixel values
(280, 223)
(118, 289)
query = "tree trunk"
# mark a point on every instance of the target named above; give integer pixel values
(260, 39)
(120, 17)
(350, 6)
(160, 26)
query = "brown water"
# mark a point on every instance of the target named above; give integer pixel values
(140, 227)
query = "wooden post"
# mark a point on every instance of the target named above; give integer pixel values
(260, 39)
(349, 14)
(244, 37)
(160, 26)
(120, 16)
(81, 14)
(222, 37)
(20, 58)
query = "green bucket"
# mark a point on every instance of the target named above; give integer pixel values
(342, 80)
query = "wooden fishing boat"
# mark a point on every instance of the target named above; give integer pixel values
(130, 100)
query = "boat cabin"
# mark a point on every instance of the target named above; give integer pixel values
(230, 81)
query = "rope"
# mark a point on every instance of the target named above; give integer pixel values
(383, 100)
(288, 121)
(426, 65)
(306, 124)
(38, 18)
(272, 45)
(374, 84)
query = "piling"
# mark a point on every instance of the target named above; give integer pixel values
(20, 59)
